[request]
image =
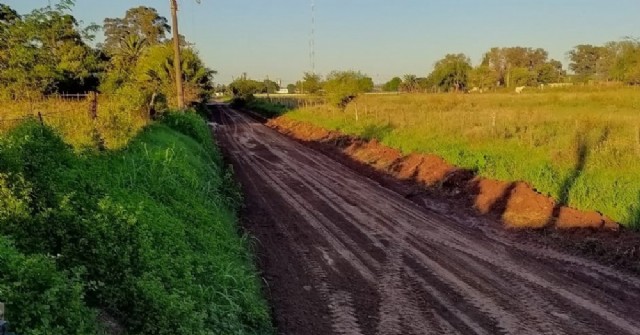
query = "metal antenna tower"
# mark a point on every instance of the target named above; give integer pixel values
(312, 38)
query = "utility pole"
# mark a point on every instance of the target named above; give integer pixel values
(176, 51)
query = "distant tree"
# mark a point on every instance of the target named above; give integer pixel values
(550, 72)
(483, 77)
(343, 86)
(143, 22)
(451, 73)
(392, 85)
(243, 87)
(521, 76)
(291, 88)
(409, 83)
(624, 61)
(269, 86)
(504, 61)
(311, 83)
(585, 61)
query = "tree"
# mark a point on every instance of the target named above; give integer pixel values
(392, 85)
(269, 86)
(44, 51)
(244, 88)
(291, 88)
(483, 77)
(585, 61)
(311, 83)
(504, 61)
(409, 83)
(343, 86)
(451, 73)
(550, 72)
(154, 74)
(143, 22)
(625, 61)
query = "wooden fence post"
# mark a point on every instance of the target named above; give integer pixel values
(93, 105)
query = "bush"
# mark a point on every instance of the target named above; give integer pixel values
(151, 226)
(39, 298)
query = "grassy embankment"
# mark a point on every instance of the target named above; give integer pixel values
(146, 233)
(581, 147)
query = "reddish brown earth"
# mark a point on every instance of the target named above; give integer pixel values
(345, 250)
(518, 204)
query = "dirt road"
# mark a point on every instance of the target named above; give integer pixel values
(343, 255)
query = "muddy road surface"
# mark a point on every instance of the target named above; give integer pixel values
(341, 254)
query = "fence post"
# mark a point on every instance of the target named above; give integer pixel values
(93, 114)
(93, 105)
(40, 118)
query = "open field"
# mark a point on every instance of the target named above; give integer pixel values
(581, 146)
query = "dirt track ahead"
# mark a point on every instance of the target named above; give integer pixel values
(343, 255)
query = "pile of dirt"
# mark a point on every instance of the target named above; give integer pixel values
(517, 204)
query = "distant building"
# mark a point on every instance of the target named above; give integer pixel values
(283, 91)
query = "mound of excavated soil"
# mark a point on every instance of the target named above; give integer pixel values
(516, 203)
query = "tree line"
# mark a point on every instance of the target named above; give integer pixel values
(49, 51)
(617, 61)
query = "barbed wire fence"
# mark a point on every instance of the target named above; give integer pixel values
(78, 110)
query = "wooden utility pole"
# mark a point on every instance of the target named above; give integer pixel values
(176, 51)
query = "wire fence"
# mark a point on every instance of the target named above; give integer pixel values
(89, 119)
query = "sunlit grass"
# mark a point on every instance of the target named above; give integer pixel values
(119, 118)
(533, 137)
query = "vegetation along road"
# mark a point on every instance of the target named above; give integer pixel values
(343, 255)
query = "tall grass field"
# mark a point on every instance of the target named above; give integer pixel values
(119, 118)
(580, 146)
(145, 234)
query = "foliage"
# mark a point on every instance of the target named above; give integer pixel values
(451, 73)
(243, 87)
(483, 77)
(311, 83)
(266, 108)
(40, 298)
(140, 56)
(392, 85)
(151, 225)
(343, 86)
(533, 138)
(44, 51)
(514, 61)
(142, 24)
(585, 59)
(154, 72)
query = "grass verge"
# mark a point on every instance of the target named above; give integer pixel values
(147, 234)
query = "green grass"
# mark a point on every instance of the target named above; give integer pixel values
(147, 233)
(581, 147)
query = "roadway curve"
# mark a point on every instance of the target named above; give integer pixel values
(340, 254)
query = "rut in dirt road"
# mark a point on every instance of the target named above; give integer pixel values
(343, 255)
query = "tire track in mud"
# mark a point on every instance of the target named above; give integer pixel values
(376, 263)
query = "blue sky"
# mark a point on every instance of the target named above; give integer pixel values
(382, 38)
